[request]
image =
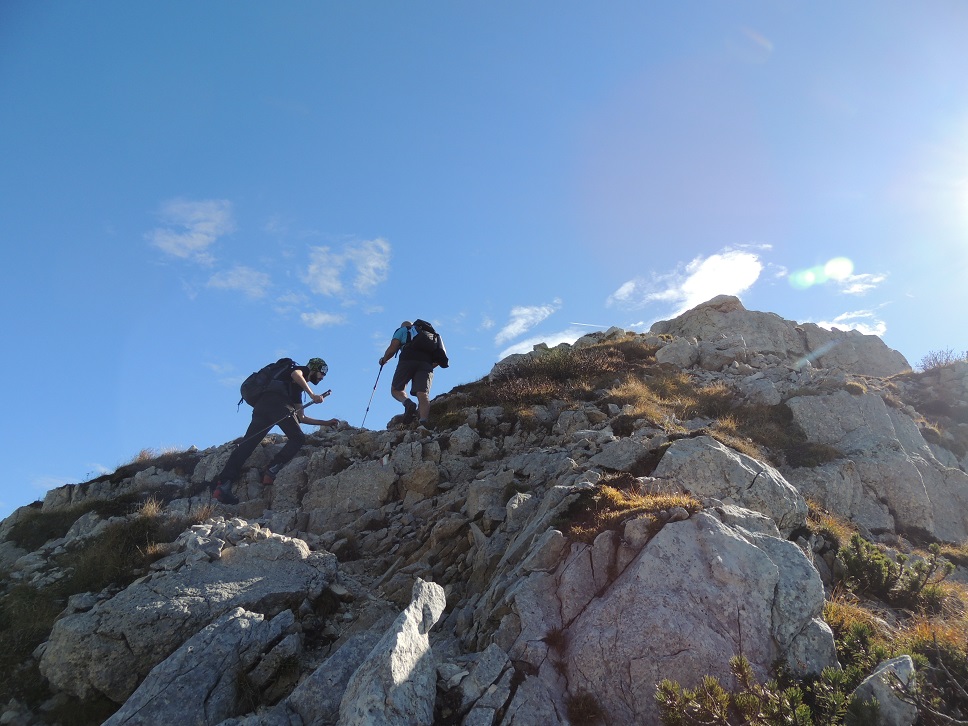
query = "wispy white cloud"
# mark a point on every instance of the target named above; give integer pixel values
(523, 318)
(189, 228)
(860, 284)
(251, 283)
(864, 321)
(323, 276)
(320, 319)
(729, 272)
(372, 261)
(568, 335)
(225, 373)
(368, 264)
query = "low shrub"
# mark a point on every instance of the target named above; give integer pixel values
(940, 358)
(861, 639)
(940, 649)
(584, 710)
(901, 583)
(757, 704)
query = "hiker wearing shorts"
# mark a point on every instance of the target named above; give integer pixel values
(280, 405)
(415, 367)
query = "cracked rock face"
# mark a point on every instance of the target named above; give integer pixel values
(110, 648)
(699, 593)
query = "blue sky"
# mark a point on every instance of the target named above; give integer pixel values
(190, 190)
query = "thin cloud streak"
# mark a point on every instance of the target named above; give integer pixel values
(863, 321)
(320, 319)
(861, 284)
(252, 283)
(523, 318)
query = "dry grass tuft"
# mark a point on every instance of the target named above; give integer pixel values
(831, 527)
(618, 500)
(956, 553)
(152, 507)
(844, 611)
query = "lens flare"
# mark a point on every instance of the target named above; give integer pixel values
(838, 269)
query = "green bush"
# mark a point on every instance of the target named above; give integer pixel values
(871, 572)
(756, 704)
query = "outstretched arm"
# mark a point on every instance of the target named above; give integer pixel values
(390, 351)
(303, 419)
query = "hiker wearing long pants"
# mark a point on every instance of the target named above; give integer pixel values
(278, 406)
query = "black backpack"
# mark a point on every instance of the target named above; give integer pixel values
(428, 340)
(256, 384)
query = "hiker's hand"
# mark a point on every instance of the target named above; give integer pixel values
(316, 398)
(382, 362)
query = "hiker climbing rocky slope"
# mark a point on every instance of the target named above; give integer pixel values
(585, 522)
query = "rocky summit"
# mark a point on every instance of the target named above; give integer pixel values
(583, 524)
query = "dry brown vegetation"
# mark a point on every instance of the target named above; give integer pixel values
(618, 499)
(625, 374)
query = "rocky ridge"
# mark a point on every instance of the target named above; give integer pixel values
(401, 577)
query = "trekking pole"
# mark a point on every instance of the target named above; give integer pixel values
(375, 384)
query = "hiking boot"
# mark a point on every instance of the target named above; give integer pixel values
(409, 410)
(269, 477)
(424, 427)
(224, 497)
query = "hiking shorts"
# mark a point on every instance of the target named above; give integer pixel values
(419, 372)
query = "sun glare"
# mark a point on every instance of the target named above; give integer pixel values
(837, 269)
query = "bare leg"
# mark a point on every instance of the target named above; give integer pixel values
(423, 405)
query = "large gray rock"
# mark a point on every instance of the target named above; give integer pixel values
(725, 317)
(880, 685)
(397, 683)
(339, 499)
(110, 648)
(893, 464)
(199, 682)
(699, 593)
(317, 698)
(706, 468)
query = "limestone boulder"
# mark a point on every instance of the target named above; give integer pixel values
(199, 682)
(800, 344)
(110, 648)
(885, 452)
(397, 683)
(699, 593)
(707, 468)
